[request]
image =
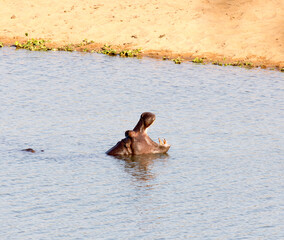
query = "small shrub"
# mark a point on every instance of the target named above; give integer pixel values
(197, 60)
(177, 60)
(33, 45)
(248, 65)
(130, 53)
(67, 48)
(106, 49)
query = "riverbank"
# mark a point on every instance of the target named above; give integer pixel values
(216, 31)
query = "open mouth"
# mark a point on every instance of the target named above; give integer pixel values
(146, 129)
(163, 142)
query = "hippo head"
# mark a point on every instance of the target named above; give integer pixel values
(137, 141)
(145, 121)
(31, 150)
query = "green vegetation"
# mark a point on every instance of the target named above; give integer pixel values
(130, 53)
(237, 64)
(40, 45)
(33, 45)
(240, 64)
(106, 49)
(67, 48)
(84, 43)
(1, 45)
(177, 60)
(248, 65)
(217, 63)
(197, 60)
(72, 47)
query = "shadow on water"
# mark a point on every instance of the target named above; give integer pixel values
(140, 166)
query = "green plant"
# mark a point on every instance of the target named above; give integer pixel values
(1, 45)
(197, 60)
(237, 64)
(106, 49)
(33, 45)
(130, 53)
(248, 65)
(67, 48)
(177, 60)
(86, 42)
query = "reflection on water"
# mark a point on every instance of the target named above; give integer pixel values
(140, 166)
(222, 179)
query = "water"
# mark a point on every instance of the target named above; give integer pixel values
(223, 176)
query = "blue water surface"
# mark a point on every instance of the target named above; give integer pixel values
(223, 177)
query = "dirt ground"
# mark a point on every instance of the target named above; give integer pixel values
(218, 30)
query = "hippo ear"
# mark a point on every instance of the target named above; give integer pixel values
(130, 133)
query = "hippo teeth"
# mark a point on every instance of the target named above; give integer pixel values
(162, 142)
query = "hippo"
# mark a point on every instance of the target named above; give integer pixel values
(137, 141)
(30, 150)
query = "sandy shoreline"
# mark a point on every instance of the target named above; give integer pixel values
(228, 31)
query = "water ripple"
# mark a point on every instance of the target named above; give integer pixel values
(222, 179)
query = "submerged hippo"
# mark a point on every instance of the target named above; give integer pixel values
(31, 150)
(137, 141)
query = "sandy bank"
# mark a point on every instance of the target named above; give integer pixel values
(248, 30)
